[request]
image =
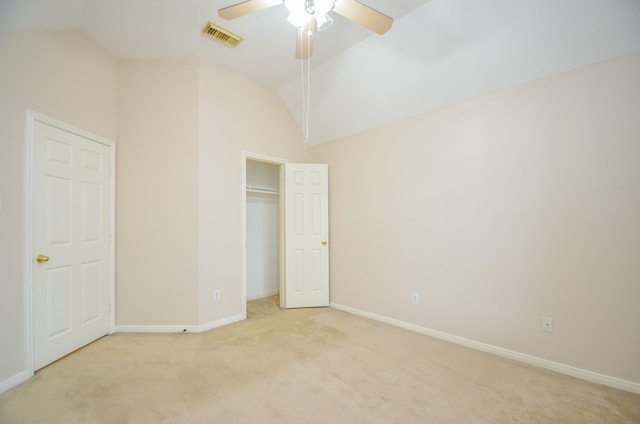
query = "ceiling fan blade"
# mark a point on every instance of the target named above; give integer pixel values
(246, 7)
(363, 15)
(304, 40)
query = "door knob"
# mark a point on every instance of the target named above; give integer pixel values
(42, 259)
(324, 242)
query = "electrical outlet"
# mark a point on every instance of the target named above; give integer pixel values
(216, 295)
(547, 324)
(415, 298)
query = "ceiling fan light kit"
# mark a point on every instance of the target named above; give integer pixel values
(301, 13)
(311, 15)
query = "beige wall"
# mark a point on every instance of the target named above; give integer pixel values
(501, 210)
(182, 127)
(63, 75)
(156, 198)
(236, 114)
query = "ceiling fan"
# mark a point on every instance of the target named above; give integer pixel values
(311, 15)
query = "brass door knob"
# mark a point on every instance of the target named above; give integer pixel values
(324, 242)
(42, 259)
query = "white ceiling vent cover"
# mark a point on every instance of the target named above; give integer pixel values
(223, 35)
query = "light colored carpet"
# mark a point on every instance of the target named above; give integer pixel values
(303, 366)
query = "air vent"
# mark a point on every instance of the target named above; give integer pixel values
(221, 34)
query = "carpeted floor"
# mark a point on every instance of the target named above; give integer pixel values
(303, 366)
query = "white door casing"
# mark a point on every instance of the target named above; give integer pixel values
(306, 235)
(71, 215)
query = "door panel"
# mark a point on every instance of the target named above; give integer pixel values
(306, 235)
(70, 227)
(58, 216)
(91, 283)
(58, 294)
(91, 207)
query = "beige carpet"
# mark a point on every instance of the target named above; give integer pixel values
(303, 366)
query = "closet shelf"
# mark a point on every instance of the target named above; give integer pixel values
(263, 190)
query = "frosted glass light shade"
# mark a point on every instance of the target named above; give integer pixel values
(300, 14)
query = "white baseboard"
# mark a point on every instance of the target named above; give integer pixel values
(583, 374)
(263, 295)
(13, 381)
(220, 323)
(177, 328)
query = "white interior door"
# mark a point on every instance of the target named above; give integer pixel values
(306, 235)
(71, 207)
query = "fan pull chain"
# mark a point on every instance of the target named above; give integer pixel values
(306, 94)
(307, 98)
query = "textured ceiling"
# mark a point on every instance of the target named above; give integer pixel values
(437, 53)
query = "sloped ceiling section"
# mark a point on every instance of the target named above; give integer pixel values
(448, 51)
(33, 15)
(438, 52)
(162, 29)
(171, 29)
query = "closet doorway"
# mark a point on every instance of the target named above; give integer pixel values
(263, 254)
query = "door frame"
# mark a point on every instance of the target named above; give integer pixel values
(31, 118)
(276, 161)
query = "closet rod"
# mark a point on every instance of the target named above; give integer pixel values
(263, 190)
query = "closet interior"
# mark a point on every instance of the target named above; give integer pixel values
(262, 229)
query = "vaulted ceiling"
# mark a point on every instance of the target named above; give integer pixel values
(438, 52)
